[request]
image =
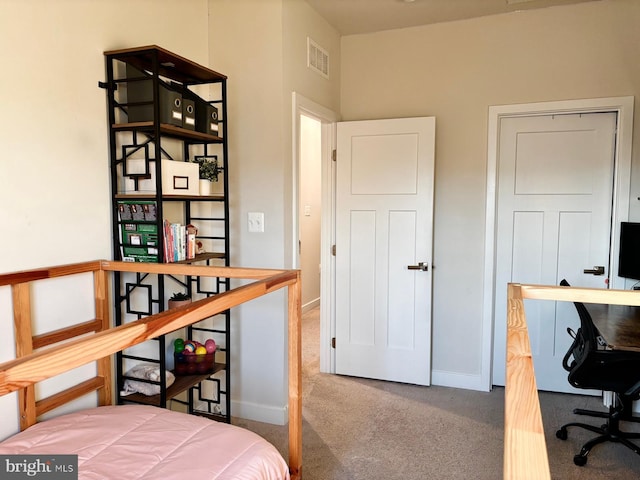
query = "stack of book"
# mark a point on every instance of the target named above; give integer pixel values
(179, 241)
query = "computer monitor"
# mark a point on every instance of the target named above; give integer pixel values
(629, 259)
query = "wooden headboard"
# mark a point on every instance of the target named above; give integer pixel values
(525, 449)
(43, 356)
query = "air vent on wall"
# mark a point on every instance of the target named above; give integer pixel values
(317, 58)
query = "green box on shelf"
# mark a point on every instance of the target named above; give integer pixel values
(138, 231)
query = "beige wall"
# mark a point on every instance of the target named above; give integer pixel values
(246, 44)
(455, 71)
(54, 183)
(54, 177)
(299, 22)
(261, 46)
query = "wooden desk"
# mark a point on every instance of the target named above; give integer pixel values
(619, 325)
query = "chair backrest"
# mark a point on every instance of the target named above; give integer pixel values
(585, 343)
(592, 365)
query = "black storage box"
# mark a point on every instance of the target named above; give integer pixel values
(170, 103)
(188, 114)
(207, 118)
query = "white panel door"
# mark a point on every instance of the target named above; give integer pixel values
(555, 187)
(384, 223)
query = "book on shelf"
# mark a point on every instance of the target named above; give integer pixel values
(179, 241)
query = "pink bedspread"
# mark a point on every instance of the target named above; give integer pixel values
(142, 442)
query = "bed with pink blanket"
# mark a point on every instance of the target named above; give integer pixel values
(144, 442)
(138, 441)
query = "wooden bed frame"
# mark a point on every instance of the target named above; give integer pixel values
(525, 450)
(32, 366)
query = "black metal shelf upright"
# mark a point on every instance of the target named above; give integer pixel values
(140, 295)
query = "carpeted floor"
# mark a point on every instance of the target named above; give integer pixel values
(359, 429)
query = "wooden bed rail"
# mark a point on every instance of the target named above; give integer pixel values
(32, 366)
(26, 342)
(525, 451)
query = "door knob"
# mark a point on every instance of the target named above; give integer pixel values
(599, 270)
(424, 266)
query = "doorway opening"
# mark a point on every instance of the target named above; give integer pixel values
(313, 213)
(310, 210)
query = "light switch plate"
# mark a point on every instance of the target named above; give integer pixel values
(255, 222)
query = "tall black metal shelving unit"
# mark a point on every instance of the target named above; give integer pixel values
(140, 295)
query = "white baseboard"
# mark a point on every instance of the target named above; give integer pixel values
(457, 380)
(260, 413)
(311, 305)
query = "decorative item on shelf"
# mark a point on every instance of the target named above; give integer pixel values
(205, 187)
(192, 231)
(178, 299)
(192, 357)
(208, 171)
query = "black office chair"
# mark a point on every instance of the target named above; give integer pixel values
(591, 365)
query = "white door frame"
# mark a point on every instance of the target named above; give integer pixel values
(623, 106)
(328, 119)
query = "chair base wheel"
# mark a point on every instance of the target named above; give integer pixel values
(579, 460)
(562, 434)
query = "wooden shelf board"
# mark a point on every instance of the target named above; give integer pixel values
(203, 256)
(170, 64)
(218, 417)
(169, 198)
(181, 384)
(168, 130)
(200, 257)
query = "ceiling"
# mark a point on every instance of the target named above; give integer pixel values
(365, 16)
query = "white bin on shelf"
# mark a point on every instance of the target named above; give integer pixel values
(178, 178)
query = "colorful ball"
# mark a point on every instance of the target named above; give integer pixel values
(190, 346)
(210, 345)
(178, 345)
(201, 350)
